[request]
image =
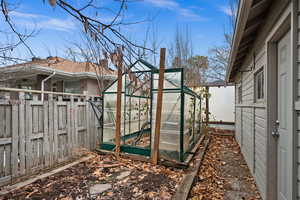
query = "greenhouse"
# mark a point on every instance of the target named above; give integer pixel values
(180, 119)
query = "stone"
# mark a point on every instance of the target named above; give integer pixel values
(99, 188)
(123, 175)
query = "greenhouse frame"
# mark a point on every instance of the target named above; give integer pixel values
(181, 121)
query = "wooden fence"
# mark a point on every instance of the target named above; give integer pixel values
(35, 135)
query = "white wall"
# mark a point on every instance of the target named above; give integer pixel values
(221, 103)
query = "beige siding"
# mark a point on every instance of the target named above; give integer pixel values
(251, 123)
(298, 113)
(260, 151)
(238, 125)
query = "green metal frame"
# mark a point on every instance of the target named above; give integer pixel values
(180, 89)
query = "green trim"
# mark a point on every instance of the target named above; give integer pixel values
(152, 67)
(127, 149)
(136, 96)
(168, 70)
(169, 89)
(134, 134)
(141, 71)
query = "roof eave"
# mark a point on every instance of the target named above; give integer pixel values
(243, 13)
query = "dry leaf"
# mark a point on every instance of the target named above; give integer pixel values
(52, 2)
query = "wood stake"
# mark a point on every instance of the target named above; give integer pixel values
(118, 106)
(207, 106)
(155, 150)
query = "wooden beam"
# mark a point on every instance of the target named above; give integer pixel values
(118, 105)
(155, 150)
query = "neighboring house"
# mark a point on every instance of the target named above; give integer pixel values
(264, 65)
(69, 76)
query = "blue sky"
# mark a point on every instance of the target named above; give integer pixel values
(206, 19)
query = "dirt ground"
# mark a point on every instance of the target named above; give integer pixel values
(224, 173)
(127, 180)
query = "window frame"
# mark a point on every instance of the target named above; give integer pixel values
(259, 85)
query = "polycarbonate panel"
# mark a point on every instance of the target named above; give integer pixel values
(144, 112)
(172, 80)
(188, 121)
(109, 117)
(134, 115)
(198, 118)
(170, 124)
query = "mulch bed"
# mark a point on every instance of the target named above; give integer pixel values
(224, 173)
(145, 181)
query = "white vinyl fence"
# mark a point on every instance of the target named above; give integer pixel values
(35, 135)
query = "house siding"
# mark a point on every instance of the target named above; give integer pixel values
(297, 21)
(250, 124)
(251, 116)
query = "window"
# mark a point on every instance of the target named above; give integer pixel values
(259, 85)
(240, 94)
(72, 87)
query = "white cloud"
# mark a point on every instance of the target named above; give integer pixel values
(57, 24)
(174, 6)
(163, 3)
(31, 21)
(227, 10)
(24, 15)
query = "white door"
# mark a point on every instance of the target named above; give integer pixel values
(284, 120)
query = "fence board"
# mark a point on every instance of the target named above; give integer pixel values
(1, 161)
(22, 139)
(46, 149)
(2, 122)
(28, 134)
(7, 171)
(55, 132)
(51, 129)
(15, 139)
(87, 123)
(7, 121)
(69, 131)
(36, 134)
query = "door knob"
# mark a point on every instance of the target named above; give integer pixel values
(275, 131)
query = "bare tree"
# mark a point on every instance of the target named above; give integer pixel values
(108, 35)
(181, 56)
(219, 58)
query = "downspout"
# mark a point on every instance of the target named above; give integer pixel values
(43, 82)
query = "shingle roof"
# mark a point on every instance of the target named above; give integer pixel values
(68, 65)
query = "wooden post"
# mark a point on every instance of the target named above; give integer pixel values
(118, 105)
(207, 105)
(155, 150)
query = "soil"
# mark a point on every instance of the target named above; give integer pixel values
(143, 182)
(224, 173)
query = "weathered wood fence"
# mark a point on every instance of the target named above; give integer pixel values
(35, 135)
